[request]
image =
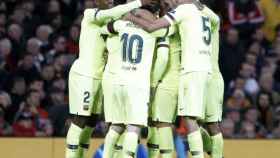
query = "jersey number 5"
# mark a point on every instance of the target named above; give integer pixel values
(206, 28)
(128, 43)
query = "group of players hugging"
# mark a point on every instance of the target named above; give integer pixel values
(162, 62)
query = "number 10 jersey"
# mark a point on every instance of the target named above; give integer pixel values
(136, 53)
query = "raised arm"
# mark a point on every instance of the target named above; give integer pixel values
(161, 61)
(148, 25)
(113, 13)
(144, 14)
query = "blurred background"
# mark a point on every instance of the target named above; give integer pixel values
(39, 41)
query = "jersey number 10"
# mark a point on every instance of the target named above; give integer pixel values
(127, 50)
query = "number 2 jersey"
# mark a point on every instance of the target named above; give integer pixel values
(136, 53)
(195, 33)
(91, 45)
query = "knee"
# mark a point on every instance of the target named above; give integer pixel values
(213, 128)
(79, 120)
(191, 123)
(119, 128)
(83, 121)
(134, 128)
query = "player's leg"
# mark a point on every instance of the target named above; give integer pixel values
(114, 133)
(213, 111)
(130, 141)
(166, 143)
(216, 140)
(207, 142)
(191, 106)
(163, 114)
(153, 141)
(81, 101)
(78, 136)
(116, 129)
(118, 147)
(136, 117)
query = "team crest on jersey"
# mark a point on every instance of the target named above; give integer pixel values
(86, 107)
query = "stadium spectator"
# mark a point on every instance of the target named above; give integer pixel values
(228, 128)
(73, 40)
(3, 22)
(59, 47)
(245, 15)
(271, 12)
(5, 128)
(276, 119)
(33, 47)
(33, 108)
(48, 75)
(248, 130)
(58, 111)
(238, 100)
(27, 69)
(251, 116)
(248, 73)
(43, 33)
(5, 53)
(5, 104)
(231, 55)
(24, 126)
(267, 85)
(14, 33)
(17, 93)
(264, 103)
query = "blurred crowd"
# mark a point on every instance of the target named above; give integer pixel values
(39, 41)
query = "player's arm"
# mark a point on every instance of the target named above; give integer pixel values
(113, 27)
(171, 18)
(161, 61)
(144, 14)
(116, 12)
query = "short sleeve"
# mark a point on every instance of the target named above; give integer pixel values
(175, 16)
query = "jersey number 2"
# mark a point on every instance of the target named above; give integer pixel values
(86, 96)
(206, 28)
(128, 43)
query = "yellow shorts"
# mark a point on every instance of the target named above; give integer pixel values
(192, 92)
(85, 95)
(109, 103)
(214, 98)
(164, 105)
(132, 104)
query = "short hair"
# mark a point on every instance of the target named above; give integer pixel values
(119, 2)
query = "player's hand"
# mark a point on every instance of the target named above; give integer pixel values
(127, 17)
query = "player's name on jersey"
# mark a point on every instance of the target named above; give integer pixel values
(204, 52)
(129, 68)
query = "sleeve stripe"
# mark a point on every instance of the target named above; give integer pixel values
(170, 16)
(110, 27)
(162, 45)
(95, 15)
(167, 32)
